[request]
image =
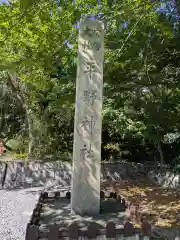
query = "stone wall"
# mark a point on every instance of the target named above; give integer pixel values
(44, 174)
(15, 174)
(35, 174)
(2, 173)
(165, 179)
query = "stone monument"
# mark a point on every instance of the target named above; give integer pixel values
(85, 194)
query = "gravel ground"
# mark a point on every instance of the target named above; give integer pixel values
(16, 207)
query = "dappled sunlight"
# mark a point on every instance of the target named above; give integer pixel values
(161, 205)
(59, 211)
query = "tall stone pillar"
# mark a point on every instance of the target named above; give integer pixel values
(85, 194)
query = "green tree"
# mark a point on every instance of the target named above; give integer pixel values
(140, 72)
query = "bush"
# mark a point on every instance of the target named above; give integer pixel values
(17, 145)
(20, 156)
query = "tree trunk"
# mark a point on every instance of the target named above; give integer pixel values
(159, 148)
(12, 81)
(3, 109)
(32, 137)
(2, 121)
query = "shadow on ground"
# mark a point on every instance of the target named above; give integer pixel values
(59, 211)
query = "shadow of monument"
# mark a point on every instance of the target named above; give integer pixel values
(59, 212)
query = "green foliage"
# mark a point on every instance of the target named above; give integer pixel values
(141, 77)
(17, 145)
(22, 156)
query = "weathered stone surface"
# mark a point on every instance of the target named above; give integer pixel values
(32, 232)
(88, 119)
(73, 231)
(92, 230)
(164, 178)
(48, 175)
(110, 230)
(128, 229)
(146, 229)
(32, 174)
(53, 232)
(116, 171)
(2, 172)
(15, 174)
(36, 174)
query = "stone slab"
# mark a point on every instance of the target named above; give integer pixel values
(15, 174)
(88, 119)
(116, 171)
(2, 172)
